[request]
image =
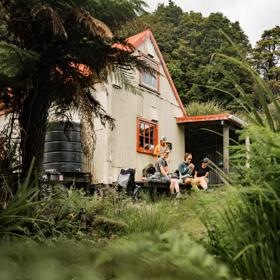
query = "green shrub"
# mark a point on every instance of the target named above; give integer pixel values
(209, 108)
(19, 218)
(247, 236)
(143, 256)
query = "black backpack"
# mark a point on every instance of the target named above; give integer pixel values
(126, 183)
(126, 180)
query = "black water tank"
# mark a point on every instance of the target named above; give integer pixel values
(63, 151)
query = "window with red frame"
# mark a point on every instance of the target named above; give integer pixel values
(147, 136)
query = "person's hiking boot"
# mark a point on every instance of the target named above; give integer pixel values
(173, 195)
(178, 195)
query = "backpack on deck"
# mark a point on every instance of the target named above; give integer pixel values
(126, 183)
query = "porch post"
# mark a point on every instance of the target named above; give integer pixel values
(226, 147)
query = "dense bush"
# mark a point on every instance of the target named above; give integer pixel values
(208, 108)
(247, 235)
(146, 256)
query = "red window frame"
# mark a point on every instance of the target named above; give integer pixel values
(146, 139)
(156, 67)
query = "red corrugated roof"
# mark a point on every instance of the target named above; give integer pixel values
(139, 38)
(83, 69)
(211, 118)
(205, 118)
(135, 41)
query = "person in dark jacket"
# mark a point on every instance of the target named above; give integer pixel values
(186, 170)
(202, 173)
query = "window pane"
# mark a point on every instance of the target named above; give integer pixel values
(150, 80)
(147, 129)
(148, 145)
(142, 127)
(152, 135)
(141, 142)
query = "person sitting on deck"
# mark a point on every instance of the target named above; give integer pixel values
(202, 173)
(162, 170)
(160, 147)
(186, 170)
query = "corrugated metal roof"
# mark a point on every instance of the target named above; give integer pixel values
(139, 38)
(135, 41)
(211, 118)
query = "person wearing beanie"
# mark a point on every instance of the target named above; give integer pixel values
(202, 173)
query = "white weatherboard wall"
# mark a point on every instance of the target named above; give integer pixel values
(101, 163)
(117, 149)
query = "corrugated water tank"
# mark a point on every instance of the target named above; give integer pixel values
(63, 151)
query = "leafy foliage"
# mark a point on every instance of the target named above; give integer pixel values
(266, 58)
(252, 251)
(61, 52)
(200, 109)
(247, 238)
(119, 13)
(152, 256)
(19, 214)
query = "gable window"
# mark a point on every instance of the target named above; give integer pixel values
(150, 80)
(147, 136)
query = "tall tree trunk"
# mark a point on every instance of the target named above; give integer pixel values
(33, 123)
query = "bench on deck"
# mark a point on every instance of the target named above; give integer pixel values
(154, 186)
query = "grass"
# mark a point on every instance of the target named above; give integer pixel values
(121, 240)
(201, 205)
(182, 215)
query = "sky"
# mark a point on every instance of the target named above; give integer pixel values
(254, 16)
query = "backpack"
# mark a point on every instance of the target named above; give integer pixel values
(126, 180)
